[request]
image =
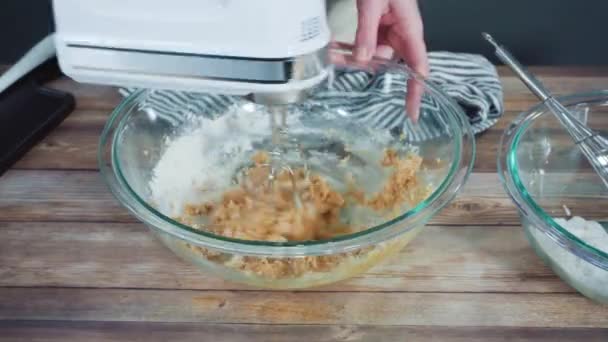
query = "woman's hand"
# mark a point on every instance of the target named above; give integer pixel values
(386, 27)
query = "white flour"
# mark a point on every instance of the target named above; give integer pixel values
(587, 278)
(199, 163)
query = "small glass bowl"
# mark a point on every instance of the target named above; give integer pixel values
(549, 178)
(360, 103)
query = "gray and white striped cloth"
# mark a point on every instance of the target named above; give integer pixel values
(470, 80)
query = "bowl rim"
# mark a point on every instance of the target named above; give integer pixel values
(515, 188)
(346, 243)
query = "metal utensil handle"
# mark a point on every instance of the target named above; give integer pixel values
(529, 80)
(578, 130)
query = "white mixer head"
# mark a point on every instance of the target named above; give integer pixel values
(239, 47)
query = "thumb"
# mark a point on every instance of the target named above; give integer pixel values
(370, 12)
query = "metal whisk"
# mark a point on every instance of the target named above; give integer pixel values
(593, 145)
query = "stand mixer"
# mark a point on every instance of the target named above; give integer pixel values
(270, 50)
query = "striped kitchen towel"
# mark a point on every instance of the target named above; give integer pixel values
(377, 100)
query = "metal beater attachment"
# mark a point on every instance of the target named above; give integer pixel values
(280, 144)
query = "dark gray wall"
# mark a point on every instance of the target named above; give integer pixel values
(538, 31)
(22, 24)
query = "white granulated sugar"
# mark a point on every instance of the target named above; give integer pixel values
(199, 163)
(587, 278)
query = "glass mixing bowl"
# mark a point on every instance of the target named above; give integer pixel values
(341, 132)
(549, 180)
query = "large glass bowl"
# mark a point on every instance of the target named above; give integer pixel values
(550, 180)
(360, 108)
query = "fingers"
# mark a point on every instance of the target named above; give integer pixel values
(407, 38)
(384, 51)
(366, 40)
(414, 55)
(415, 91)
(409, 42)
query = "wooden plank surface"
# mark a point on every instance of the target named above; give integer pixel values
(146, 332)
(259, 307)
(449, 259)
(75, 265)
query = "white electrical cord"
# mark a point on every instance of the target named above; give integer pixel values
(39, 54)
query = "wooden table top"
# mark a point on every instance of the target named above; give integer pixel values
(75, 265)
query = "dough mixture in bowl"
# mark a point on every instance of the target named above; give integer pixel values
(256, 209)
(299, 205)
(331, 183)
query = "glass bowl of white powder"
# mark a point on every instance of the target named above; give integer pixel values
(289, 197)
(562, 202)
